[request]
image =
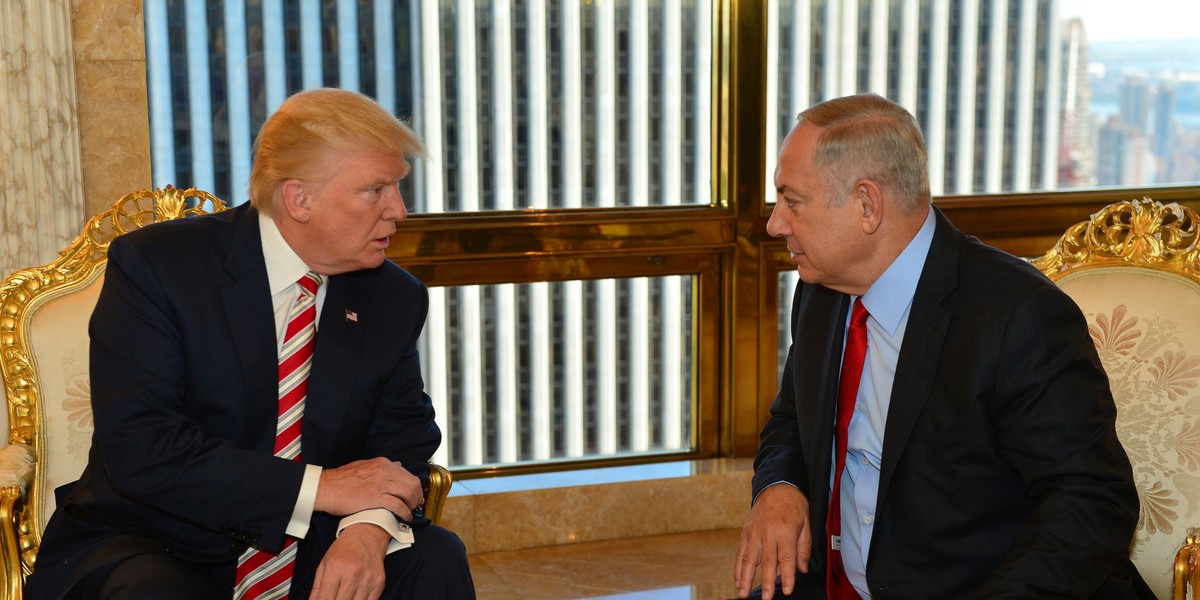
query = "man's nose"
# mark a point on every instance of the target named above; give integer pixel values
(777, 226)
(396, 211)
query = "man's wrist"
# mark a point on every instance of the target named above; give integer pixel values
(368, 533)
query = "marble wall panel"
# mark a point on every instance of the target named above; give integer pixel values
(108, 30)
(114, 130)
(114, 123)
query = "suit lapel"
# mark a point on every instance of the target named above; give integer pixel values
(338, 353)
(821, 319)
(247, 303)
(920, 354)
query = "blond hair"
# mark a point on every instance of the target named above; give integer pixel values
(870, 137)
(296, 140)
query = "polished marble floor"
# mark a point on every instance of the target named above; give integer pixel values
(684, 566)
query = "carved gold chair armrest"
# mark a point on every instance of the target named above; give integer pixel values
(440, 481)
(16, 473)
(1187, 567)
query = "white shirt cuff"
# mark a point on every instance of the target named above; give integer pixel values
(402, 536)
(769, 485)
(305, 502)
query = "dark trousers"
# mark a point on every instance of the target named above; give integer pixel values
(434, 567)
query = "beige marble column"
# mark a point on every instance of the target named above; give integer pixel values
(110, 76)
(41, 194)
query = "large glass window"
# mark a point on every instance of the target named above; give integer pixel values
(1012, 95)
(563, 370)
(563, 104)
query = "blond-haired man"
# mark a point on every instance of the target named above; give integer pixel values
(261, 425)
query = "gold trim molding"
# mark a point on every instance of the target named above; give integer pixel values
(1143, 231)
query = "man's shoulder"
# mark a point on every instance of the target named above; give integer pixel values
(185, 232)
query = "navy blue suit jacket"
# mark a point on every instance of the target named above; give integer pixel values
(1001, 474)
(184, 393)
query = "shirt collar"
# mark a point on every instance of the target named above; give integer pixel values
(889, 297)
(284, 267)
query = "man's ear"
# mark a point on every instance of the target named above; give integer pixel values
(294, 200)
(869, 197)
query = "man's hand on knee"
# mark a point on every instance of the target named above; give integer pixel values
(352, 569)
(777, 537)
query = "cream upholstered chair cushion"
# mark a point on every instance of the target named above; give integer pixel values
(44, 314)
(1133, 271)
(60, 355)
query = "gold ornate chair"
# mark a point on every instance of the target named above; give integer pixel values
(44, 314)
(1134, 269)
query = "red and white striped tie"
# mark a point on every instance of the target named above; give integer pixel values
(262, 575)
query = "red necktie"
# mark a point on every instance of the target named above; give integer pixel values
(837, 586)
(261, 574)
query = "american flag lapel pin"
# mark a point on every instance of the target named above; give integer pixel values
(351, 316)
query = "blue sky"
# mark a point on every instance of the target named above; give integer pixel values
(1108, 20)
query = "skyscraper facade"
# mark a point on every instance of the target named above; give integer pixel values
(983, 77)
(1076, 154)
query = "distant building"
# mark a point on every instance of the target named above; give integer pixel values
(1077, 166)
(1124, 156)
(1134, 103)
(1164, 119)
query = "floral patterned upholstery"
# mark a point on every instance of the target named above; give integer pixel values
(1133, 269)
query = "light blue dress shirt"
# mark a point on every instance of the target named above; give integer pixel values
(888, 301)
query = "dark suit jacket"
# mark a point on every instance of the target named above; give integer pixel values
(1002, 475)
(184, 393)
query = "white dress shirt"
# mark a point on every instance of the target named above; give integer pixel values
(888, 301)
(284, 270)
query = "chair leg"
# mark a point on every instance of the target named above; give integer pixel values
(1187, 567)
(10, 553)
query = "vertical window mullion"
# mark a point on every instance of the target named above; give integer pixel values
(385, 53)
(199, 95)
(702, 157)
(964, 144)
(310, 45)
(158, 64)
(1023, 154)
(508, 435)
(939, 87)
(238, 94)
(274, 54)
(541, 359)
(878, 53)
(909, 53)
(573, 398)
(606, 108)
(638, 324)
(997, 50)
(427, 116)
(670, 295)
(347, 44)
(471, 334)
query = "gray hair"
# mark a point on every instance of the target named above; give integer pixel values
(870, 137)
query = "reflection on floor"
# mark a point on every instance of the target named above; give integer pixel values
(684, 566)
